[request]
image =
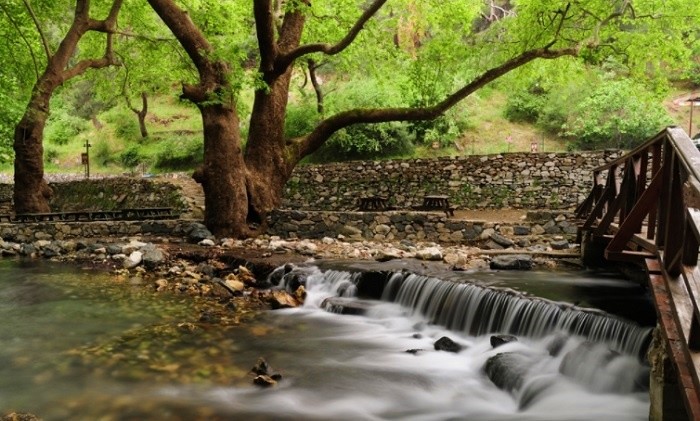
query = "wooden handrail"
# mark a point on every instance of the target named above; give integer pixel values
(648, 212)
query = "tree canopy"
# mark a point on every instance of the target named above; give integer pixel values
(431, 54)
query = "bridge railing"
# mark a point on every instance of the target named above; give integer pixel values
(645, 206)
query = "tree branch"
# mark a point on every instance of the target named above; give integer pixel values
(304, 146)
(26, 41)
(44, 41)
(329, 49)
(186, 32)
(265, 30)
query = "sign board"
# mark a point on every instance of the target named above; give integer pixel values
(84, 158)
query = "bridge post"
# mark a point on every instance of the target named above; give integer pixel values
(664, 390)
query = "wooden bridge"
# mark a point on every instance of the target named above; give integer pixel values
(644, 208)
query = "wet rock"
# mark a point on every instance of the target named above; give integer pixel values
(345, 306)
(507, 370)
(447, 344)
(387, 254)
(261, 367)
(414, 351)
(114, 249)
(512, 262)
(556, 344)
(264, 381)
(153, 257)
(498, 340)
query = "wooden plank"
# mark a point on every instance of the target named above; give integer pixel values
(632, 224)
(678, 356)
(628, 256)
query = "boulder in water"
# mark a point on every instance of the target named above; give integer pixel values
(498, 340)
(512, 262)
(447, 344)
(507, 370)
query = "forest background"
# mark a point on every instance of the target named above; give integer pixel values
(134, 119)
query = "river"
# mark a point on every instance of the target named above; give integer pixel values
(83, 345)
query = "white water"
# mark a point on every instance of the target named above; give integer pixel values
(356, 368)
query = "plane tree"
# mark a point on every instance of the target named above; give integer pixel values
(261, 44)
(59, 62)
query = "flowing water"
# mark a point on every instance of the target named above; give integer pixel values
(77, 345)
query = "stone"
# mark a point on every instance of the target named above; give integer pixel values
(521, 230)
(429, 253)
(197, 232)
(512, 262)
(114, 249)
(447, 344)
(501, 240)
(507, 370)
(133, 260)
(501, 339)
(207, 242)
(559, 245)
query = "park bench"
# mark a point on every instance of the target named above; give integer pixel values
(436, 203)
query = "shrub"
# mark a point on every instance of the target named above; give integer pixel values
(616, 114)
(300, 120)
(131, 158)
(62, 127)
(179, 154)
(125, 122)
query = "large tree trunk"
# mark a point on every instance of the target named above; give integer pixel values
(265, 156)
(223, 173)
(31, 192)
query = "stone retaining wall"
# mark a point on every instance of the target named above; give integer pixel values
(517, 180)
(51, 231)
(413, 226)
(105, 194)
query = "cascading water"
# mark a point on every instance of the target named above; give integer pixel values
(567, 364)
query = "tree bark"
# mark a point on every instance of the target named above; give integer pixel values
(141, 114)
(223, 173)
(31, 192)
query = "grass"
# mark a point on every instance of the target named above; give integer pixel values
(175, 126)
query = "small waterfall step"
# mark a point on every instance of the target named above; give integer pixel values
(348, 306)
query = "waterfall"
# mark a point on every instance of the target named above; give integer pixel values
(478, 310)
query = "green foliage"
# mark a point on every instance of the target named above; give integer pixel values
(102, 153)
(124, 121)
(525, 106)
(179, 154)
(616, 114)
(131, 158)
(366, 140)
(63, 127)
(300, 120)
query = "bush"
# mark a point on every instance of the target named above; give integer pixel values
(366, 141)
(102, 153)
(616, 114)
(131, 158)
(179, 154)
(300, 120)
(125, 122)
(62, 127)
(362, 141)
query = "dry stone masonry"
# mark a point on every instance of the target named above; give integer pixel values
(517, 180)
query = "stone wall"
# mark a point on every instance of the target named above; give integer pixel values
(416, 226)
(517, 180)
(105, 194)
(56, 231)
